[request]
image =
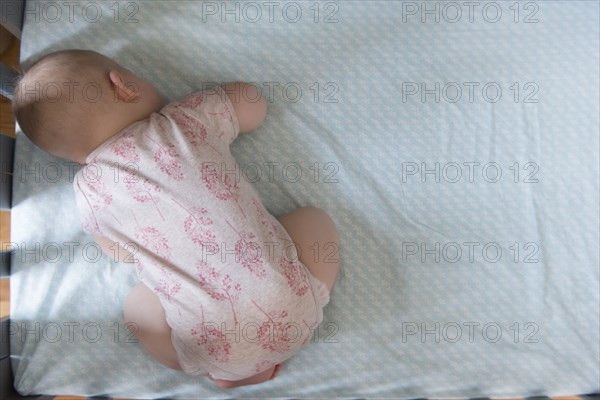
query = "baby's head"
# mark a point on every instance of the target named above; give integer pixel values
(71, 101)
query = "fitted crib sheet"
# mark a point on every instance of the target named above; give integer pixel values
(455, 145)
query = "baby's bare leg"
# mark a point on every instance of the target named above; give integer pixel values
(258, 378)
(143, 308)
(314, 233)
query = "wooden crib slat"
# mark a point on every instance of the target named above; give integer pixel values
(4, 298)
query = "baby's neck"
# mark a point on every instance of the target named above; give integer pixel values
(103, 132)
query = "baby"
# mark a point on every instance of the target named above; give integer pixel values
(226, 289)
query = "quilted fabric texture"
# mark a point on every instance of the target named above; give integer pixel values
(455, 146)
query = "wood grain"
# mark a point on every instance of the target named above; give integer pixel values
(4, 297)
(10, 58)
(7, 126)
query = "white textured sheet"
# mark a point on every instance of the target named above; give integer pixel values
(391, 327)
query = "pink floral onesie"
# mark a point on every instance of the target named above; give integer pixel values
(167, 188)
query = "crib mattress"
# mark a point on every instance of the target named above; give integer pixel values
(455, 146)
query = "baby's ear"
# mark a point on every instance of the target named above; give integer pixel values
(127, 93)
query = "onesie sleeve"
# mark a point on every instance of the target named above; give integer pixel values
(210, 107)
(89, 222)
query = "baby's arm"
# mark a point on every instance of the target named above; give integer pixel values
(114, 250)
(248, 104)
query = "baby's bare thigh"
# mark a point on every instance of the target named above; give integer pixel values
(143, 309)
(316, 238)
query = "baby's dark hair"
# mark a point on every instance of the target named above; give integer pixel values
(56, 94)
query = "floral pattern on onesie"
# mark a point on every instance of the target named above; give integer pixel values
(205, 244)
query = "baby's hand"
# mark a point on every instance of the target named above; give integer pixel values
(115, 251)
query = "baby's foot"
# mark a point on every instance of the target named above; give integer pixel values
(275, 371)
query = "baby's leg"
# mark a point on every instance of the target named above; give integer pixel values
(317, 240)
(310, 229)
(258, 378)
(143, 308)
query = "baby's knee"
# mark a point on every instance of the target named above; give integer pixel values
(145, 316)
(133, 303)
(323, 219)
(225, 384)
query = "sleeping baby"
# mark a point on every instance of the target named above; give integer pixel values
(226, 289)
